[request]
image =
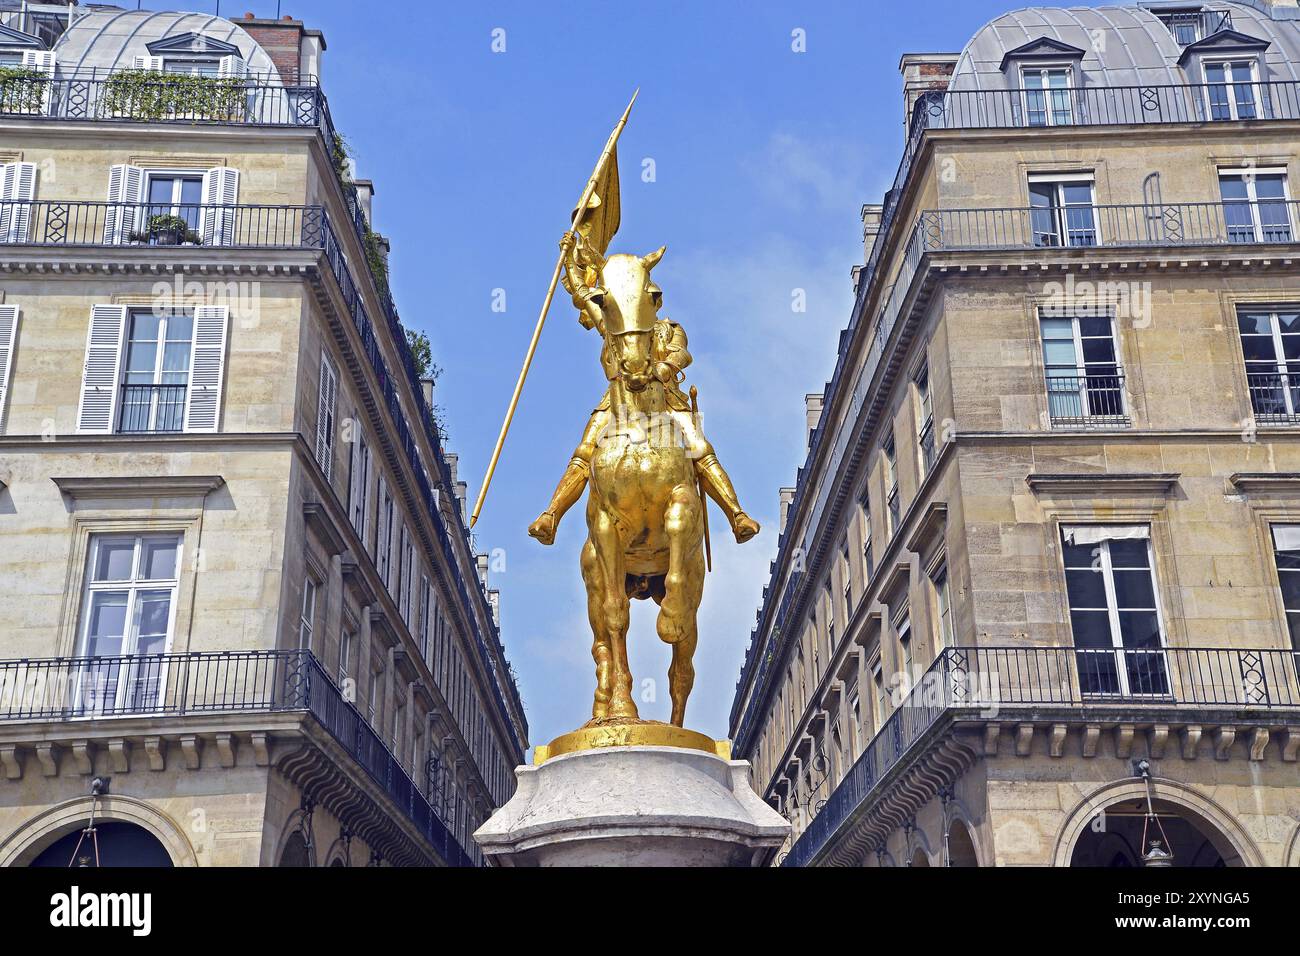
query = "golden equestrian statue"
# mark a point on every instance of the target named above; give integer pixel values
(643, 457)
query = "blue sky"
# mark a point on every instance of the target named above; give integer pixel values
(762, 160)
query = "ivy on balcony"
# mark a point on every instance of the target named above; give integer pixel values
(22, 90)
(156, 95)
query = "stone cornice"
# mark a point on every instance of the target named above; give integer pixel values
(318, 519)
(1265, 481)
(140, 486)
(1109, 483)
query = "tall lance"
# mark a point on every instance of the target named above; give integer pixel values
(546, 305)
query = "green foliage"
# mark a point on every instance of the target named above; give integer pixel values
(376, 262)
(22, 90)
(163, 224)
(422, 353)
(154, 94)
(340, 153)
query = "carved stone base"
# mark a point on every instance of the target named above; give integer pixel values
(634, 806)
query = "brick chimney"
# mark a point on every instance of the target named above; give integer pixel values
(923, 72)
(295, 50)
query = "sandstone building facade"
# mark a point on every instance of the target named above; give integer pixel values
(1037, 594)
(240, 594)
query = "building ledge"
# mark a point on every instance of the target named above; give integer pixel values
(140, 486)
(1140, 483)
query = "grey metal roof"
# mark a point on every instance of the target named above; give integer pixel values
(111, 39)
(1124, 46)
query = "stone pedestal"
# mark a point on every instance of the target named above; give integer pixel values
(634, 806)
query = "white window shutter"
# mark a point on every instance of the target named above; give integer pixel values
(220, 189)
(381, 534)
(125, 196)
(147, 63)
(233, 66)
(370, 502)
(17, 190)
(356, 483)
(8, 338)
(100, 376)
(207, 367)
(327, 400)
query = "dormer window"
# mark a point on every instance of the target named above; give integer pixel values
(1047, 95)
(1230, 88)
(1191, 24)
(1046, 72)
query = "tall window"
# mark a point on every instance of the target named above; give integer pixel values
(326, 404)
(830, 616)
(903, 628)
(846, 577)
(880, 706)
(384, 535)
(942, 608)
(1047, 96)
(1270, 344)
(924, 417)
(359, 482)
(156, 371)
(1255, 205)
(129, 612)
(1230, 89)
(308, 618)
(1286, 552)
(1110, 581)
(1061, 210)
(889, 460)
(345, 657)
(175, 194)
(1085, 383)
(868, 559)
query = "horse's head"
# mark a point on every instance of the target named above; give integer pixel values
(630, 305)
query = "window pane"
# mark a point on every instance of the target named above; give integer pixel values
(1058, 354)
(160, 190)
(1097, 351)
(1081, 556)
(107, 623)
(1129, 553)
(158, 559)
(191, 191)
(1269, 187)
(113, 559)
(1258, 348)
(1133, 589)
(1290, 581)
(1233, 187)
(1091, 629)
(1255, 322)
(1086, 589)
(152, 611)
(1077, 193)
(1139, 629)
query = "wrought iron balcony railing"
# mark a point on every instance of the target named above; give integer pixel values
(80, 222)
(1086, 397)
(152, 409)
(1274, 397)
(159, 686)
(985, 682)
(1110, 105)
(1158, 224)
(133, 96)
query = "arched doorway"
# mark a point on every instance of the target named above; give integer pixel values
(1114, 838)
(295, 851)
(120, 844)
(961, 847)
(919, 858)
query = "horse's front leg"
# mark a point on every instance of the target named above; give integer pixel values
(683, 590)
(594, 579)
(614, 611)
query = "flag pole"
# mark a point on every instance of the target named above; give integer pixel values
(546, 306)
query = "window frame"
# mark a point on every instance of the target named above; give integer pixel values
(1103, 553)
(1230, 83)
(134, 586)
(1287, 381)
(1059, 209)
(1250, 176)
(1046, 91)
(1084, 390)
